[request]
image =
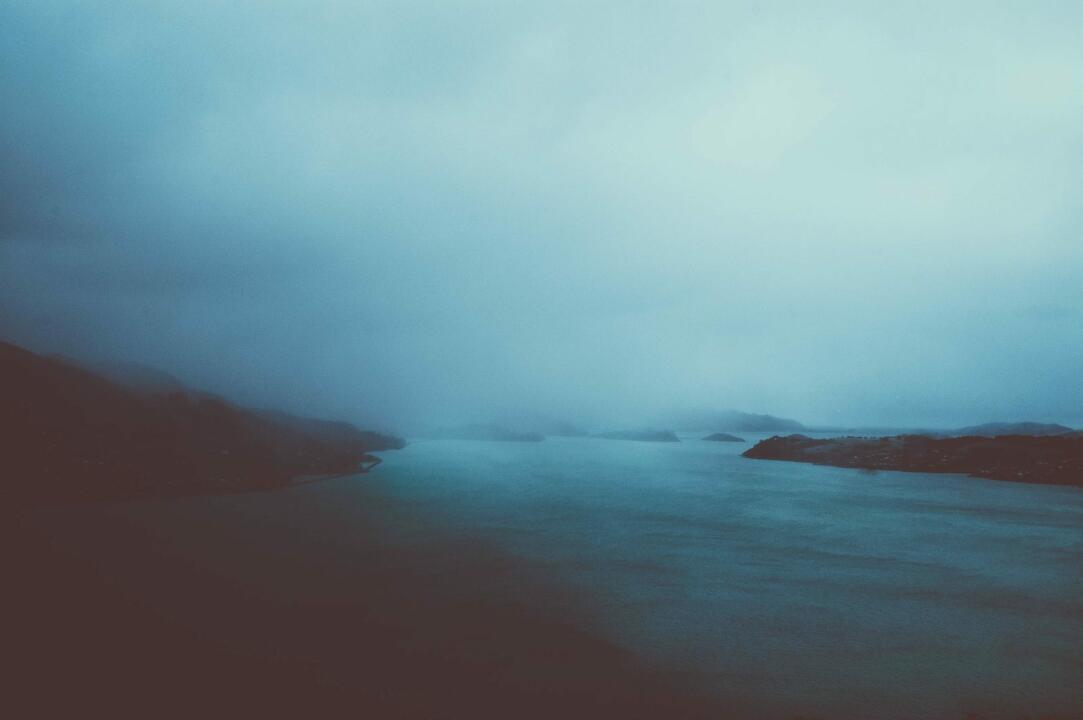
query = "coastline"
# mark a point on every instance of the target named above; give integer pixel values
(1049, 460)
(368, 463)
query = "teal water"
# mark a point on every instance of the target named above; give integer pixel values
(786, 590)
(794, 589)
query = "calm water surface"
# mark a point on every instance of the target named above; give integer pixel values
(789, 590)
(798, 588)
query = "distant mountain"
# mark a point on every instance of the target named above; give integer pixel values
(485, 431)
(723, 437)
(1018, 428)
(72, 435)
(642, 435)
(538, 424)
(731, 421)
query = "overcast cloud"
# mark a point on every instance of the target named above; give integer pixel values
(403, 212)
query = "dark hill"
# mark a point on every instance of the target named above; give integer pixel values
(137, 377)
(71, 435)
(1056, 459)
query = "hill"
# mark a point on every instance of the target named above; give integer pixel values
(640, 435)
(724, 437)
(731, 421)
(72, 435)
(1016, 428)
(1050, 459)
(486, 432)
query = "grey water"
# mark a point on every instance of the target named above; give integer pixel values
(795, 589)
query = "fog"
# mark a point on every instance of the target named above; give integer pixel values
(403, 213)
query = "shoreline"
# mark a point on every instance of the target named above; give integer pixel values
(1044, 460)
(205, 490)
(309, 478)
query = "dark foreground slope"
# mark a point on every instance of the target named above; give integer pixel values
(237, 606)
(71, 435)
(1050, 459)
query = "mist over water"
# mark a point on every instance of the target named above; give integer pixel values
(403, 213)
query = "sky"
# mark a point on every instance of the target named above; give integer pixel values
(403, 212)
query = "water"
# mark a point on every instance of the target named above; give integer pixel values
(787, 590)
(794, 588)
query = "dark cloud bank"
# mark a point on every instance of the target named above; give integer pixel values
(412, 213)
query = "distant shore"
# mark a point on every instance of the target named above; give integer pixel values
(1054, 460)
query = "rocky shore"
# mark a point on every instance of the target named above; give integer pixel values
(1056, 459)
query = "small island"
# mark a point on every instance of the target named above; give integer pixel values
(1052, 459)
(724, 437)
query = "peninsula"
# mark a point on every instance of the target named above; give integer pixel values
(72, 435)
(1052, 459)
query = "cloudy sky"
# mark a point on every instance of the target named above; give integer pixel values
(394, 212)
